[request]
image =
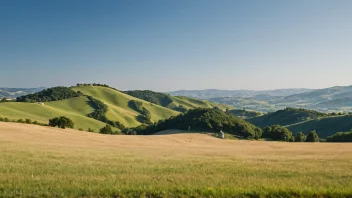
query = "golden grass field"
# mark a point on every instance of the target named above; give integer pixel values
(38, 161)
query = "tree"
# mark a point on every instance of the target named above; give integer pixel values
(312, 137)
(277, 132)
(61, 122)
(300, 137)
(106, 130)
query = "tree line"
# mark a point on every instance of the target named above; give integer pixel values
(279, 133)
(50, 94)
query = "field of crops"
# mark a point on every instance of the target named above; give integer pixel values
(38, 161)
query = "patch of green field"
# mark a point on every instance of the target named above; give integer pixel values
(190, 103)
(73, 108)
(118, 109)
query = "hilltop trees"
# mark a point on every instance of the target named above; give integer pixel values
(277, 132)
(312, 137)
(47, 95)
(61, 122)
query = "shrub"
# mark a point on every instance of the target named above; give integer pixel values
(61, 122)
(20, 121)
(106, 130)
(300, 137)
(312, 137)
(35, 122)
(1, 119)
(80, 129)
(90, 130)
(277, 132)
(28, 121)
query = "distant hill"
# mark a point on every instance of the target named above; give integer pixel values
(177, 103)
(242, 113)
(78, 106)
(215, 93)
(285, 117)
(16, 92)
(324, 126)
(326, 100)
(212, 120)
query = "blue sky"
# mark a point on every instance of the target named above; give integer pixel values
(176, 44)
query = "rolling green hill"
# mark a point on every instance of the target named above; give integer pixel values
(74, 108)
(324, 126)
(118, 105)
(177, 103)
(285, 117)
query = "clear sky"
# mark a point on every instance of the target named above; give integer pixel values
(166, 45)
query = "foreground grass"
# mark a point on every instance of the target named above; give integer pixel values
(45, 162)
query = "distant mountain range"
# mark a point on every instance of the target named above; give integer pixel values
(16, 92)
(215, 93)
(337, 98)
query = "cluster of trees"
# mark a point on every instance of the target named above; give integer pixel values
(138, 106)
(50, 94)
(340, 137)
(243, 112)
(279, 133)
(95, 84)
(204, 120)
(61, 122)
(27, 121)
(150, 96)
(100, 113)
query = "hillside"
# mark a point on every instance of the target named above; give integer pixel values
(285, 117)
(324, 126)
(242, 113)
(177, 103)
(75, 108)
(119, 108)
(211, 120)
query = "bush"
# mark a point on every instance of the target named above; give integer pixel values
(277, 132)
(1, 119)
(28, 121)
(106, 130)
(90, 130)
(35, 122)
(20, 121)
(61, 122)
(312, 137)
(128, 131)
(80, 129)
(300, 137)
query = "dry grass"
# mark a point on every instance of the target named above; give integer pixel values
(38, 161)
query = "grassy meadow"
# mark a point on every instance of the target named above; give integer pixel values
(38, 161)
(74, 108)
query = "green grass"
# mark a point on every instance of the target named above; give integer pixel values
(324, 126)
(118, 109)
(74, 108)
(191, 103)
(63, 163)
